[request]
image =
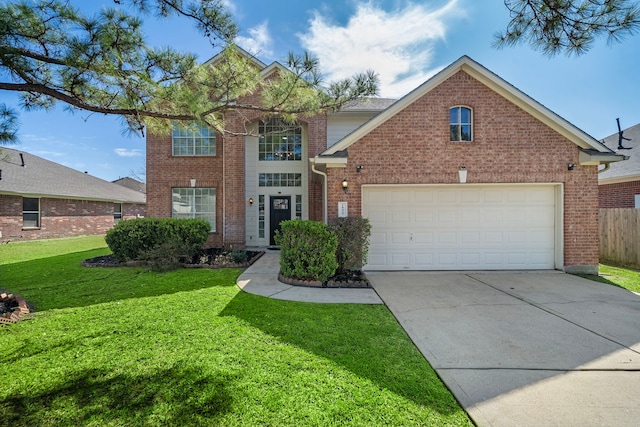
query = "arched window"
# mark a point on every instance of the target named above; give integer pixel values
(461, 125)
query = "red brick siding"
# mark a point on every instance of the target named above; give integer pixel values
(619, 195)
(510, 146)
(164, 172)
(60, 218)
(225, 172)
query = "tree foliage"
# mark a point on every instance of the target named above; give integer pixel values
(50, 52)
(568, 26)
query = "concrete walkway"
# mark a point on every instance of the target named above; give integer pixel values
(261, 278)
(525, 349)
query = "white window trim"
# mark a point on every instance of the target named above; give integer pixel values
(459, 123)
(192, 140)
(191, 192)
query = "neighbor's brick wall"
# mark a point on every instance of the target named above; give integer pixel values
(509, 146)
(60, 218)
(131, 210)
(619, 195)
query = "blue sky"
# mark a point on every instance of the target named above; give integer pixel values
(405, 42)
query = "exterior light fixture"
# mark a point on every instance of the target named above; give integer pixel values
(571, 166)
(345, 185)
(462, 174)
(250, 201)
(359, 168)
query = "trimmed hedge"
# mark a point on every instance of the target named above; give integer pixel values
(307, 250)
(147, 238)
(353, 242)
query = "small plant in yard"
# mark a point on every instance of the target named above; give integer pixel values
(238, 257)
(307, 250)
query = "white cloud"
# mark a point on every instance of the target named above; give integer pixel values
(398, 45)
(259, 43)
(123, 152)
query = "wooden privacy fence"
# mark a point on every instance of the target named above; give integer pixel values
(620, 237)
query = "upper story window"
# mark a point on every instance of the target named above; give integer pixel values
(193, 140)
(461, 126)
(279, 141)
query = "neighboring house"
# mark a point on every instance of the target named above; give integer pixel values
(620, 183)
(131, 183)
(41, 199)
(530, 199)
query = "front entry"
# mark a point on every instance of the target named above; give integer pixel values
(280, 210)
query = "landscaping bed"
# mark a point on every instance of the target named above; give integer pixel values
(205, 258)
(348, 279)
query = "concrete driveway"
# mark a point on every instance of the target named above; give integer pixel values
(525, 348)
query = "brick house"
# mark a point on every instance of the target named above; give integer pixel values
(40, 199)
(465, 172)
(619, 185)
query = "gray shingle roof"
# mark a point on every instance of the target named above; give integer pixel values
(131, 183)
(368, 104)
(626, 168)
(43, 178)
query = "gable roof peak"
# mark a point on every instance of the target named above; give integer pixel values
(493, 82)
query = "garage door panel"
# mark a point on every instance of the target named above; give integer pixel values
(377, 239)
(424, 238)
(424, 216)
(400, 238)
(477, 227)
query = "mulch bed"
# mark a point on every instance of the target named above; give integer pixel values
(206, 258)
(349, 279)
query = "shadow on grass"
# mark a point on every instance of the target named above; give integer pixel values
(61, 282)
(364, 339)
(168, 397)
(600, 279)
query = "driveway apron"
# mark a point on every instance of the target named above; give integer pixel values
(525, 348)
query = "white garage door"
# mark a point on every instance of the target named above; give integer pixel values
(461, 227)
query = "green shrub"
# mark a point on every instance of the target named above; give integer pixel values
(142, 238)
(238, 257)
(353, 242)
(167, 256)
(307, 250)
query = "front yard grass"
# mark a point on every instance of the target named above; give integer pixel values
(124, 346)
(623, 277)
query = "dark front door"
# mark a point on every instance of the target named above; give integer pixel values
(280, 211)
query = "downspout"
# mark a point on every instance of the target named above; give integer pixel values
(324, 189)
(606, 167)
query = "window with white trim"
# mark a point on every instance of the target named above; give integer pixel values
(30, 212)
(279, 141)
(196, 139)
(461, 124)
(195, 203)
(117, 212)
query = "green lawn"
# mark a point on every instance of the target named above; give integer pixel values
(619, 276)
(128, 347)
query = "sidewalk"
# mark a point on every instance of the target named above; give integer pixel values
(261, 278)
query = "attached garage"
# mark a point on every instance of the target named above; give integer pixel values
(464, 227)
